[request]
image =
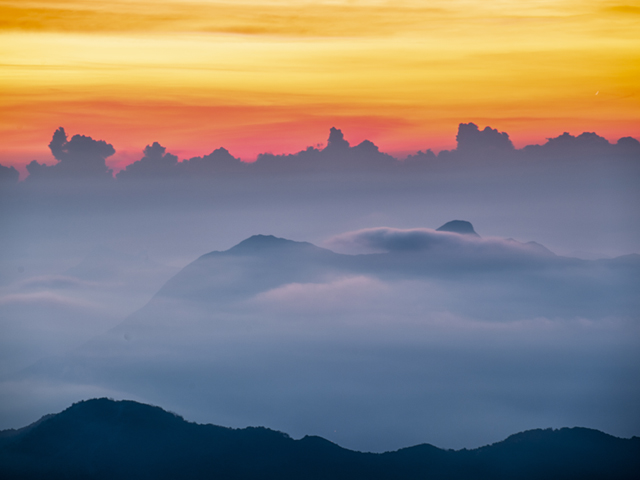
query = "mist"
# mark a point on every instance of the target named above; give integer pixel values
(379, 333)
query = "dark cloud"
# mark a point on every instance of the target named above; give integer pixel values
(487, 147)
(8, 175)
(338, 156)
(629, 144)
(336, 141)
(158, 164)
(471, 139)
(218, 162)
(569, 146)
(482, 147)
(443, 243)
(79, 157)
(420, 160)
(155, 164)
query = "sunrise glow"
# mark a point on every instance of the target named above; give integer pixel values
(276, 75)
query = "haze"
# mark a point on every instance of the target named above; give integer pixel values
(388, 334)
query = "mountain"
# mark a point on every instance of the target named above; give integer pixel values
(255, 264)
(440, 335)
(458, 226)
(104, 439)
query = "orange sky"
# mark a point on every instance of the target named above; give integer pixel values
(256, 76)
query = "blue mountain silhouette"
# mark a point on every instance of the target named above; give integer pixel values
(106, 439)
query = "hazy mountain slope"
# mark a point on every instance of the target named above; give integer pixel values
(68, 308)
(255, 264)
(299, 338)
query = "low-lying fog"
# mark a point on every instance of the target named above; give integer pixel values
(404, 335)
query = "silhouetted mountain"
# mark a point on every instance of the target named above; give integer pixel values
(263, 263)
(269, 244)
(255, 264)
(102, 438)
(458, 226)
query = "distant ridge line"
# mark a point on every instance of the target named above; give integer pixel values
(104, 438)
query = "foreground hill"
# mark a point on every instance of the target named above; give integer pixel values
(103, 438)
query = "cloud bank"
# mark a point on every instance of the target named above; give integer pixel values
(80, 157)
(384, 239)
(440, 336)
(84, 157)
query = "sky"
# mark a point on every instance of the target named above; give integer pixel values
(273, 76)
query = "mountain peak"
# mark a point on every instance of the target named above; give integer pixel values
(458, 226)
(257, 243)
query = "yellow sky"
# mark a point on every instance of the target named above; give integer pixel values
(403, 73)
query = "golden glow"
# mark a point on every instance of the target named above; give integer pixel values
(275, 75)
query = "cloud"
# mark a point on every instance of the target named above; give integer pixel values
(155, 164)
(472, 139)
(337, 157)
(569, 146)
(420, 160)
(44, 298)
(84, 157)
(338, 295)
(336, 141)
(220, 161)
(8, 175)
(284, 334)
(628, 145)
(79, 157)
(623, 9)
(385, 239)
(477, 147)
(58, 282)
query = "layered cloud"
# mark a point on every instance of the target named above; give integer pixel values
(157, 164)
(80, 157)
(8, 175)
(83, 157)
(384, 239)
(329, 298)
(284, 334)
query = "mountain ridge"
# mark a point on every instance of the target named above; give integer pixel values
(146, 441)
